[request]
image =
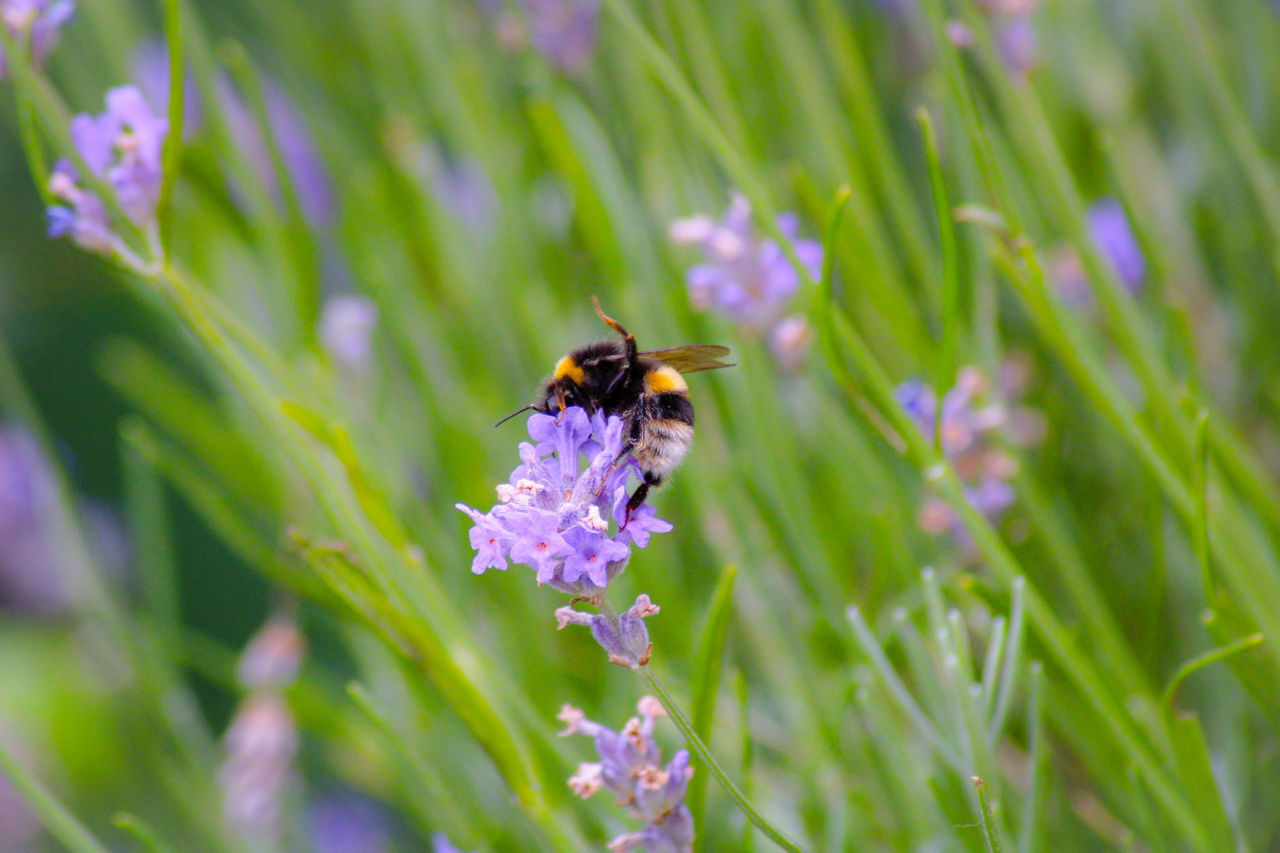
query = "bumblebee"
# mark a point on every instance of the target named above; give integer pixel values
(645, 389)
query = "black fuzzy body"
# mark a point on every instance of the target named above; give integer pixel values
(612, 380)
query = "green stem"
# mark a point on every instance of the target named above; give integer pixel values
(709, 761)
(1195, 664)
(171, 156)
(61, 824)
(950, 262)
(990, 831)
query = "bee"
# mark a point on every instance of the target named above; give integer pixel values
(645, 389)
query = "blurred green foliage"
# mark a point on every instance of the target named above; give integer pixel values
(478, 194)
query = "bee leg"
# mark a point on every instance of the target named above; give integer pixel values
(613, 466)
(637, 498)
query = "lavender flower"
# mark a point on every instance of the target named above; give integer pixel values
(261, 742)
(273, 655)
(297, 148)
(40, 20)
(31, 577)
(1013, 34)
(630, 768)
(347, 822)
(748, 277)
(555, 518)
(441, 844)
(1109, 227)
(346, 330)
(967, 429)
(625, 638)
(1016, 43)
(468, 193)
(122, 147)
(563, 31)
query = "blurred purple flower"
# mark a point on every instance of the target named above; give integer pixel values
(1013, 34)
(556, 519)
(150, 66)
(19, 826)
(565, 32)
(347, 822)
(261, 742)
(297, 149)
(441, 844)
(346, 330)
(968, 429)
(41, 20)
(273, 655)
(1016, 44)
(465, 189)
(1109, 227)
(121, 146)
(258, 767)
(748, 277)
(31, 579)
(629, 767)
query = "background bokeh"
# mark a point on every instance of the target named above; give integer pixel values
(387, 224)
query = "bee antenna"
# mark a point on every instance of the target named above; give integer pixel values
(617, 327)
(513, 414)
(627, 338)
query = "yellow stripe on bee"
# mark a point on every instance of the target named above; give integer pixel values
(664, 379)
(568, 367)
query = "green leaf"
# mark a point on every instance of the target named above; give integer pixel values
(708, 668)
(57, 819)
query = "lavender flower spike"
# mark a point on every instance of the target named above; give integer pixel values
(967, 428)
(625, 638)
(1109, 227)
(746, 277)
(41, 19)
(555, 517)
(629, 767)
(122, 146)
(563, 31)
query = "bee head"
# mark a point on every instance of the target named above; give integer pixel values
(565, 388)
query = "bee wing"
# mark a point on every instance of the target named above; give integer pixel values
(692, 358)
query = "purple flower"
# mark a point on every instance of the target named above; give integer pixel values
(347, 822)
(346, 330)
(273, 655)
(968, 428)
(32, 578)
(625, 637)
(630, 768)
(122, 147)
(748, 278)
(261, 743)
(297, 148)
(466, 190)
(1109, 227)
(258, 765)
(1016, 45)
(442, 844)
(565, 32)
(150, 67)
(42, 19)
(554, 516)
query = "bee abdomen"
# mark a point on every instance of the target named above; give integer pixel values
(666, 434)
